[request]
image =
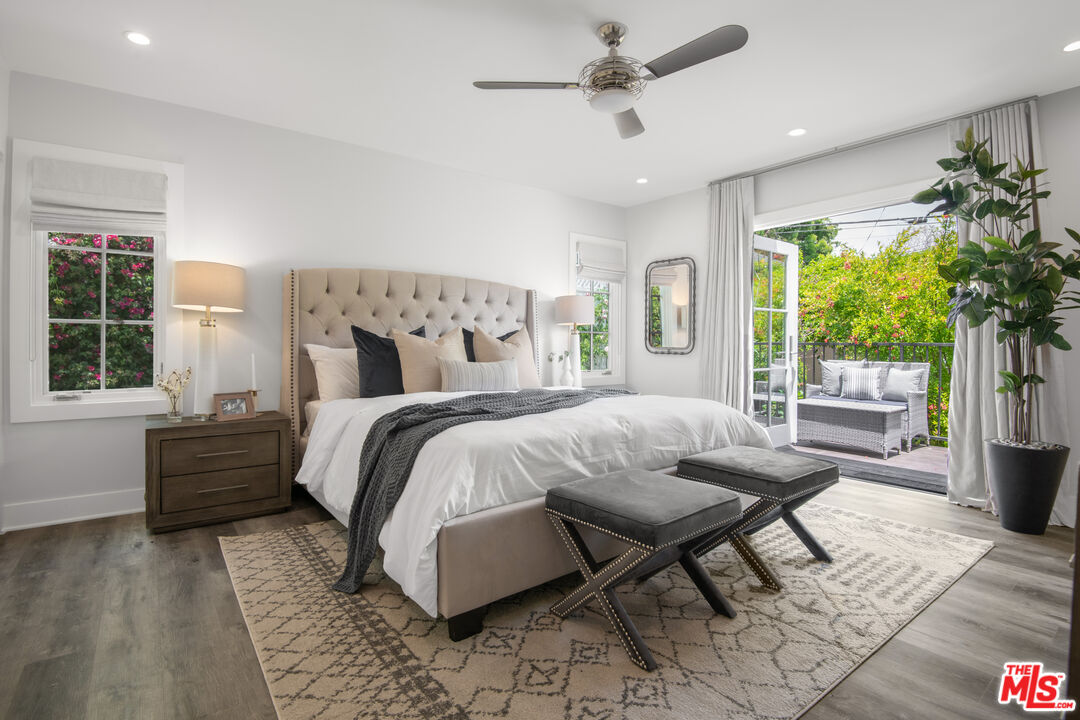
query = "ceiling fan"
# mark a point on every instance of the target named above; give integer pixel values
(612, 84)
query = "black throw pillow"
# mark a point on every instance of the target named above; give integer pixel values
(470, 353)
(379, 363)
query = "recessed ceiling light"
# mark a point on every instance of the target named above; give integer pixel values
(642, 181)
(1073, 46)
(137, 37)
(797, 132)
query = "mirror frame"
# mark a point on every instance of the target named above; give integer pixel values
(690, 322)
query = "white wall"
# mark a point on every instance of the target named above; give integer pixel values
(5, 153)
(1059, 128)
(674, 226)
(270, 200)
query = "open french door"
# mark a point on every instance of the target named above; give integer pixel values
(776, 331)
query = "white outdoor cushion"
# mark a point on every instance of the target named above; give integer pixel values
(861, 383)
(899, 383)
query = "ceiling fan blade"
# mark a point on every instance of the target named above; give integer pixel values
(483, 85)
(710, 45)
(628, 123)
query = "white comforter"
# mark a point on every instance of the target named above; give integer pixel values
(480, 465)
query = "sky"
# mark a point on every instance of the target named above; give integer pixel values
(868, 230)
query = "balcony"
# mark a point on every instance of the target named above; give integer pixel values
(925, 466)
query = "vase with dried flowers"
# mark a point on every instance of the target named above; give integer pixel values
(173, 387)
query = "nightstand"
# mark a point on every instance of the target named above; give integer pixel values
(204, 472)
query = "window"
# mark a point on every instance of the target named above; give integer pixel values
(88, 233)
(598, 268)
(595, 338)
(100, 332)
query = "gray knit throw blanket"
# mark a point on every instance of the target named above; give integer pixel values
(396, 438)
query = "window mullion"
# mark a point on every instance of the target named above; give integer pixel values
(103, 285)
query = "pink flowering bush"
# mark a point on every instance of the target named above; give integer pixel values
(78, 274)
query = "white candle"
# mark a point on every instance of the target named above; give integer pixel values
(253, 385)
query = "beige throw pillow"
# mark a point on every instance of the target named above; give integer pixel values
(419, 358)
(517, 347)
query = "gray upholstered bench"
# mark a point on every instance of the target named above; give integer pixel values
(782, 482)
(663, 519)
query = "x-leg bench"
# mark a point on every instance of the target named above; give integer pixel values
(661, 518)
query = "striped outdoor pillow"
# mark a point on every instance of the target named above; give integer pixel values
(861, 383)
(459, 376)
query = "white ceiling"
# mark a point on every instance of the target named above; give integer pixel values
(397, 75)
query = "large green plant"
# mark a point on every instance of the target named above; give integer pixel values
(1016, 278)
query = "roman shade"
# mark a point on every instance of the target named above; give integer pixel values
(601, 261)
(72, 194)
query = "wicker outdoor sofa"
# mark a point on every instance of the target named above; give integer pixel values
(877, 425)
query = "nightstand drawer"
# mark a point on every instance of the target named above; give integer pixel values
(219, 452)
(190, 492)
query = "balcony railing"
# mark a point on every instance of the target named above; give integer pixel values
(939, 355)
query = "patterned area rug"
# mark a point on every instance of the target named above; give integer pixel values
(376, 655)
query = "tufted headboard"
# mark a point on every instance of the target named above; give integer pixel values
(320, 306)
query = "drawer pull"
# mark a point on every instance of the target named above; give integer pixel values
(219, 454)
(221, 489)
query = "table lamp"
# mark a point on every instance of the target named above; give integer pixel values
(207, 287)
(574, 310)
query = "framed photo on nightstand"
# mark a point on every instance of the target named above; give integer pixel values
(234, 406)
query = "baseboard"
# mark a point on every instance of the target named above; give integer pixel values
(54, 511)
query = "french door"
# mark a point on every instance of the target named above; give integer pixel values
(776, 332)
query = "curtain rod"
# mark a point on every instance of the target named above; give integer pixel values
(868, 141)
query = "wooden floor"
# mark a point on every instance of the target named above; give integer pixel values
(101, 620)
(926, 458)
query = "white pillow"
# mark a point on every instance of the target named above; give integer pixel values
(478, 376)
(336, 372)
(899, 383)
(861, 383)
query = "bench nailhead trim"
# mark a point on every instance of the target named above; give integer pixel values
(640, 544)
(748, 492)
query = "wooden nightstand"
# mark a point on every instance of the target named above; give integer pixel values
(204, 472)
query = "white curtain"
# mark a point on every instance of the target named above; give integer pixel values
(726, 324)
(976, 410)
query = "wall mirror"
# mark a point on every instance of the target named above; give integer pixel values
(669, 306)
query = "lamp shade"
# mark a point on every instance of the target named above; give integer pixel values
(199, 285)
(574, 310)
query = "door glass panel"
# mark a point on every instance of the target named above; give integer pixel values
(761, 278)
(761, 338)
(779, 268)
(761, 396)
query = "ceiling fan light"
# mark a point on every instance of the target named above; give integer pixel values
(612, 101)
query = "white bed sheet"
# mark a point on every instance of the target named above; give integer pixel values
(481, 465)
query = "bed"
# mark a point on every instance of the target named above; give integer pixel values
(470, 527)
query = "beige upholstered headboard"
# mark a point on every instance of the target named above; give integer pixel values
(320, 306)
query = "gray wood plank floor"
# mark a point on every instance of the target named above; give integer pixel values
(102, 620)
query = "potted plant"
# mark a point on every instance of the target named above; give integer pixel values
(1018, 279)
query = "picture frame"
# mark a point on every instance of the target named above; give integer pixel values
(234, 406)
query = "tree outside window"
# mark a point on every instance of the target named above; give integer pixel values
(100, 311)
(595, 338)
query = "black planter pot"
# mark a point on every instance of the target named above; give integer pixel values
(1024, 481)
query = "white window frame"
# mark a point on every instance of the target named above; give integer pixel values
(616, 372)
(31, 401)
